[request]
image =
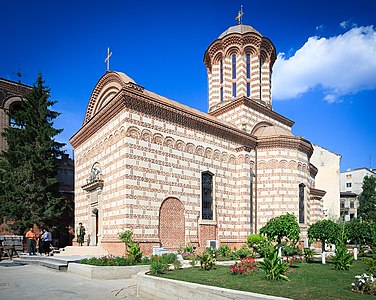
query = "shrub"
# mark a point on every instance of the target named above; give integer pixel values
(342, 259)
(365, 285)
(263, 248)
(290, 249)
(274, 266)
(245, 266)
(254, 239)
(158, 266)
(177, 264)
(290, 260)
(244, 252)
(207, 261)
(308, 255)
(224, 251)
(134, 252)
(126, 236)
(108, 261)
(370, 263)
(193, 262)
(189, 248)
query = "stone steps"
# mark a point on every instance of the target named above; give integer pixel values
(82, 251)
(49, 262)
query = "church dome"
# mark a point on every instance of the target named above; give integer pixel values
(268, 131)
(241, 29)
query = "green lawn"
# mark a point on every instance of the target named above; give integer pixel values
(308, 281)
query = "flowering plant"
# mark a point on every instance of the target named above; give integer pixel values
(245, 266)
(365, 285)
(291, 259)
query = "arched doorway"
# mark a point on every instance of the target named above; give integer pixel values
(171, 224)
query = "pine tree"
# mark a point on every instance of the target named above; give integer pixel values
(28, 168)
(367, 199)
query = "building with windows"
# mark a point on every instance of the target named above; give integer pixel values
(11, 97)
(328, 164)
(176, 175)
(351, 186)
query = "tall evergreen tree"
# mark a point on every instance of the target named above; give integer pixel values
(367, 199)
(28, 168)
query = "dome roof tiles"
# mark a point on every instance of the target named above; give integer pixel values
(241, 29)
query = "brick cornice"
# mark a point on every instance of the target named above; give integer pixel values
(289, 142)
(313, 170)
(168, 111)
(253, 104)
(317, 193)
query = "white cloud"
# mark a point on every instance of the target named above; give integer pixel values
(340, 65)
(344, 24)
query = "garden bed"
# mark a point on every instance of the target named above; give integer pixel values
(307, 281)
(106, 272)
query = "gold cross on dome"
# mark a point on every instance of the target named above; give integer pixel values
(240, 14)
(107, 60)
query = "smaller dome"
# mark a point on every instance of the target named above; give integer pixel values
(241, 29)
(267, 131)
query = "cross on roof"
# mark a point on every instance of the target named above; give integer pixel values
(107, 60)
(240, 14)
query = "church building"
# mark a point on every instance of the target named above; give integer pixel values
(176, 175)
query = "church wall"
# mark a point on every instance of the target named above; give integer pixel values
(279, 173)
(246, 118)
(144, 161)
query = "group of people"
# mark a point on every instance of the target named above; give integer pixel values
(41, 241)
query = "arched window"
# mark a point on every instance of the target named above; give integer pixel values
(260, 74)
(221, 71)
(207, 195)
(301, 203)
(248, 66)
(234, 89)
(13, 118)
(233, 66)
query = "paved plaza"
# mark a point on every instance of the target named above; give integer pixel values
(35, 282)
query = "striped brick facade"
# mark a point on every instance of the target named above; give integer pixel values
(152, 151)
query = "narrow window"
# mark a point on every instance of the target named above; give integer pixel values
(260, 74)
(233, 66)
(248, 89)
(348, 184)
(221, 71)
(207, 195)
(234, 89)
(13, 118)
(221, 93)
(248, 66)
(301, 203)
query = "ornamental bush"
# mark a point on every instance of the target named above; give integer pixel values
(370, 263)
(342, 259)
(244, 267)
(285, 226)
(273, 266)
(207, 260)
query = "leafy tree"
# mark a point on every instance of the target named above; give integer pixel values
(280, 227)
(359, 232)
(367, 199)
(325, 231)
(28, 168)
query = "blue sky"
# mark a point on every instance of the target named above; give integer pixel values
(324, 78)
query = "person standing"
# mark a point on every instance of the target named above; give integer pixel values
(31, 241)
(80, 231)
(46, 242)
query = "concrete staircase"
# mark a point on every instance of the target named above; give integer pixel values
(82, 251)
(60, 264)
